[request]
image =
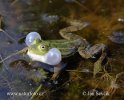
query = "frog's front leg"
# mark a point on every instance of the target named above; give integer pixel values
(89, 52)
(57, 69)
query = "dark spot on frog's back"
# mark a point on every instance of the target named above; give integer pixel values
(68, 52)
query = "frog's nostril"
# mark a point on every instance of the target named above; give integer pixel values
(31, 37)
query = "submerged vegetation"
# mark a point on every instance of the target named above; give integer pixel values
(82, 78)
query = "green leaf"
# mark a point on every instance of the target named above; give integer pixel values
(97, 68)
(98, 64)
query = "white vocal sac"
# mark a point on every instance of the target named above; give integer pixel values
(31, 37)
(53, 57)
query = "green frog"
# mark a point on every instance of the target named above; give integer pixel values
(68, 46)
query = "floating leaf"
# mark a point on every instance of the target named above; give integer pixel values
(119, 40)
(97, 68)
(98, 65)
(117, 37)
(118, 34)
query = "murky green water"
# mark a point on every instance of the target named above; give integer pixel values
(47, 17)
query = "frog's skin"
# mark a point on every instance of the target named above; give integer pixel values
(68, 46)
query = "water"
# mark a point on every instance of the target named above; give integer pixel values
(47, 17)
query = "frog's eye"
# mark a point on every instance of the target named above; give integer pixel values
(42, 46)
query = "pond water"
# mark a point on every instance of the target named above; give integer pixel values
(18, 75)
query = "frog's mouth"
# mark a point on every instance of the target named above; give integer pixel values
(53, 57)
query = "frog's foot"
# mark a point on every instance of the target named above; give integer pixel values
(57, 69)
(90, 52)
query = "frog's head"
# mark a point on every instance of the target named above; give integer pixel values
(40, 50)
(39, 47)
(36, 44)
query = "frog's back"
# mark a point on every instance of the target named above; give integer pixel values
(67, 47)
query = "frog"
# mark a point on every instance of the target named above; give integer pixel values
(68, 46)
